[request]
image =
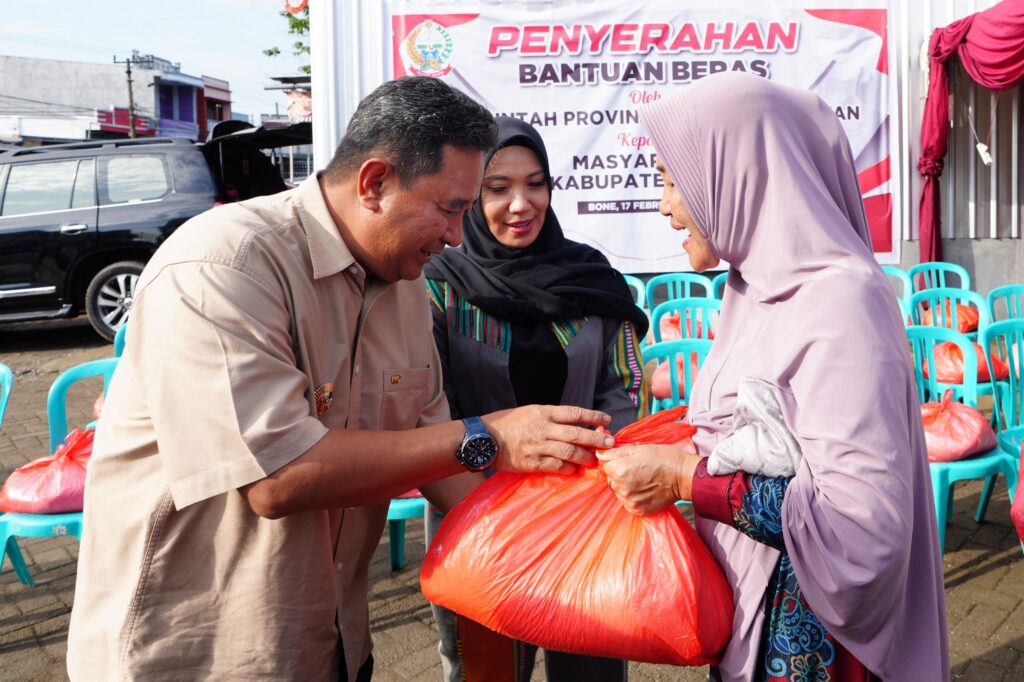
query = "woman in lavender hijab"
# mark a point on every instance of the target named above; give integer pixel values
(835, 570)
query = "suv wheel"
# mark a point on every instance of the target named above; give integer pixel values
(108, 300)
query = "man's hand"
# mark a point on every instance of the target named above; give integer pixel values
(550, 438)
(649, 478)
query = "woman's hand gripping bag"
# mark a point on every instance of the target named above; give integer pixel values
(556, 561)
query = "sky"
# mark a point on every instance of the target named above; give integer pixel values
(219, 38)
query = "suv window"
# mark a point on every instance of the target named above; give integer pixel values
(39, 187)
(85, 185)
(133, 177)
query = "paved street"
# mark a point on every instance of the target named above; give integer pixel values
(983, 564)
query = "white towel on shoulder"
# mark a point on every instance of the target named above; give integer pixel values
(760, 443)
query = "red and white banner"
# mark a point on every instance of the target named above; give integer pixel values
(578, 73)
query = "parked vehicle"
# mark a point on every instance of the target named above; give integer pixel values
(79, 221)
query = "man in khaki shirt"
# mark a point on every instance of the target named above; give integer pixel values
(279, 385)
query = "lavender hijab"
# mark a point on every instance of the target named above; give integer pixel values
(767, 173)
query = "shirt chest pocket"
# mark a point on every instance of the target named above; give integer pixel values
(402, 397)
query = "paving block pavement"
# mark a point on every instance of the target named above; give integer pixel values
(984, 565)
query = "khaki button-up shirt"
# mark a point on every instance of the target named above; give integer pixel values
(254, 331)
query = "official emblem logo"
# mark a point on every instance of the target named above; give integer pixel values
(427, 50)
(324, 394)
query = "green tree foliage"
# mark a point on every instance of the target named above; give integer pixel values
(298, 25)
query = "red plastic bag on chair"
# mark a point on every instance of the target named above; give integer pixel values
(556, 561)
(50, 485)
(1017, 508)
(949, 363)
(966, 318)
(661, 380)
(671, 327)
(955, 431)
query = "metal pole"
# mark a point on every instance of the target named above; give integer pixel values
(131, 99)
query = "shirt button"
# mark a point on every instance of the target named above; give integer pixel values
(354, 270)
(357, 369)
(338, 566)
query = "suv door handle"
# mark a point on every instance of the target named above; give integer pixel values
(73, 229)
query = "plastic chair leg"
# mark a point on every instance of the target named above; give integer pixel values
(986, 495)
(396, 536)
(941, 492)
(11, 550)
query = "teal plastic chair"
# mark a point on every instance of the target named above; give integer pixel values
(401, 509)
(718, 285)
(944, 475)
(671, 351)
(941, 305)
(905, 312)
(697, 317)
(6, 384)
(14, 525)
(119, 340)
(9, 547)
(906, 286)
(1008, 300)
(677, 285)
(1005, 340)
(639, 290)
(936, 274)
(56, 400)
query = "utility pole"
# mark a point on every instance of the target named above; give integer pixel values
(134, 59)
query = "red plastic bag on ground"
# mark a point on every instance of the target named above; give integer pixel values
(1017, 508)
(949, 363)
(966, 318)
(955, 431)
(50, 485)
(557, 561)
(661, 380)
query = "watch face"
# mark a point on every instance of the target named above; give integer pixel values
(478, 451)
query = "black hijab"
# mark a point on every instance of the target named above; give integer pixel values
(552, 278)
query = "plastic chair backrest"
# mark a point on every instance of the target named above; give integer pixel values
(935, 274)
(1005, 340)
(718, 284)
(698, 317)
(119, 340)
(670, 351)
(639, 290)
(56, 400)
(1012, 298)
(905, 312)
(901, 276)
(678, 285)
(933, 302)
(6, 383)
(923, 341)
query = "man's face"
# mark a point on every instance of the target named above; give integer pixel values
(417, 221)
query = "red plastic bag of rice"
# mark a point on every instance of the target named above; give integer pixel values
(556, 561)
(51, 485)
(955, 431)
(966, 318)
(949, 363)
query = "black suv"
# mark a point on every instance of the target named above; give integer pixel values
(79, 221)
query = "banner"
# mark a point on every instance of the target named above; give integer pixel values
(579, 72)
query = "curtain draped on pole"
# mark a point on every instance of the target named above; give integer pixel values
(990, 46)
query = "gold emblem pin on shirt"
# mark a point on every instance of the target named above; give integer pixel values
(395, 378)
(324, 394)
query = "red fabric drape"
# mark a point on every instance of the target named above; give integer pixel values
(990, 46)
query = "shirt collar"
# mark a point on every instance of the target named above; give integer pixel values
(327, 250)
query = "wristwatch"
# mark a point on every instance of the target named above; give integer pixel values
(478, 448)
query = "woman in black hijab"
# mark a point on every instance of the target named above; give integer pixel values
(523, 315)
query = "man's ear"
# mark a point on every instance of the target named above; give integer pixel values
(373, 175)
